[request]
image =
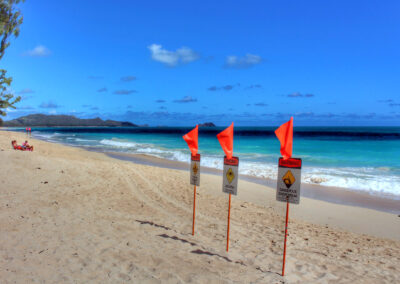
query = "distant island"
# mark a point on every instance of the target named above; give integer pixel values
(207, 124)
(62, 120)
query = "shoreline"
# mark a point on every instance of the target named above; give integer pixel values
(68, 214)
(265, 195)
(384, 202)
(336, 195)
(331, 194)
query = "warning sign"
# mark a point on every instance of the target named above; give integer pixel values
(195, 170)
(289, 180)
(230, 175)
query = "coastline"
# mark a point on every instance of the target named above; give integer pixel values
(70, 214)
(313, 196)
(332, 194)
(329, 194)
(376, 175)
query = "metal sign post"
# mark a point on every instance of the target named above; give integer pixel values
(229, 185)
(195, 181)
(288, 190)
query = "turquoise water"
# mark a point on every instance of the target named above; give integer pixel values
(366, 158)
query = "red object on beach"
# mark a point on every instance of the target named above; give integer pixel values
(191, 139)
(19, 147)
(285, 136)
(225, 138)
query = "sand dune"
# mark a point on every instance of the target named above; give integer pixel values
(69, 215)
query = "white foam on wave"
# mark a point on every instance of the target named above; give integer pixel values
(118, 144)
(362, 179)
(379, 181)
(82, 140)
(42, 135)
(147, 149)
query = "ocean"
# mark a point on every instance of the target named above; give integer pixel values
(357, 158)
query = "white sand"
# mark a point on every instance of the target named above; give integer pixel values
(68, 215)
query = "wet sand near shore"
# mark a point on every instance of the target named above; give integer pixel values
(325, 193)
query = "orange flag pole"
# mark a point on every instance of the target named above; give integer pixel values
(191, 139)
(285, 136)
(194, 209)
(225, 138)
(284, 245)
(229, 221)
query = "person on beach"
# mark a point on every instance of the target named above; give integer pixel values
(25, 144)
(24, 147)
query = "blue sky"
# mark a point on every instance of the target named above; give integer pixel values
(185, 62)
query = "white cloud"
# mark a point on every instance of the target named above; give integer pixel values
(172, 58)
(242, 62)
(39, 51)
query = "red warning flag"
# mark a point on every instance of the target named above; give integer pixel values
(191, 139)
(225, 138)
(285, 136)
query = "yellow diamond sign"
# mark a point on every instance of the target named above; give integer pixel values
(288, 179)
(195, 169)
(230, 175)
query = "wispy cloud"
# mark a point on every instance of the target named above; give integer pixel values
(38, 51)
(25, 91)
(299, 95)
(128, 78)
(225, 88)
(182, 55)
(390, 102)
(160, 101)
(102, 90)
(25, 108)
(94, 77)
(49, 105)
(186, 99)
(124, 92)
(261, 104)
(246, 61)
(256, 86)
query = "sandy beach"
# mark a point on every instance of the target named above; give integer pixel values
(71, 215)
